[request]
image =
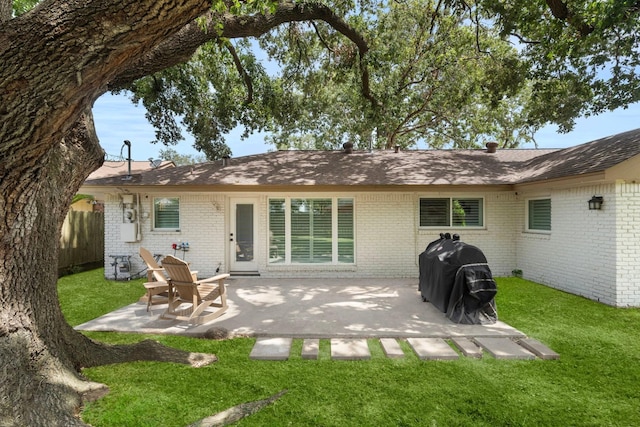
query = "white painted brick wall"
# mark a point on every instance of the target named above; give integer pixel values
(201, 222)
(497, 240)
(578, 256)
(627, 203)
(385, 241)
(389, 241)
(386, 235)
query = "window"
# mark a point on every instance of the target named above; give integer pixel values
(277, 230)
(311, 231)
(539, 215)
(345, 231)
(166, 213)
(451, 212)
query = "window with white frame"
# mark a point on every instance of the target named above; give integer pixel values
(539, 215)
(311, 230)
(166, 213)
(451, 212)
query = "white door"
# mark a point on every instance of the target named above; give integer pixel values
(242, 235)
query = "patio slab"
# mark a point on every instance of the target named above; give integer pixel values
(271, 349)
(504, 348)
(467, 347)
(432, 349)
(350, 349)
(310, 308)
(391, 348)
(539, 349)
(310, 349)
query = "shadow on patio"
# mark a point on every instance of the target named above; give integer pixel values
(310, 308)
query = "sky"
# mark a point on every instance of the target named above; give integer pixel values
(118, 119)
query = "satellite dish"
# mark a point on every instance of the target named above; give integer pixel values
(155, 163)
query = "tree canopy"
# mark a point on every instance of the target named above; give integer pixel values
(444, 73)
(583, 56)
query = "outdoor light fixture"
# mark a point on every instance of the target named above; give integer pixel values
(595, 203)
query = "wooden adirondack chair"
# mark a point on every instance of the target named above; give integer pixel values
(156, 284)
(196, 301)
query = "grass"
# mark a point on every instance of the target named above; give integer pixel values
(596, 382)
(85, 296)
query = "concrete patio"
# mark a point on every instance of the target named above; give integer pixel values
(346, 311)
(311, 308)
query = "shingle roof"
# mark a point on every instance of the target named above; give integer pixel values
(110, 168)
(413, 167)
(330, 168)
(595, 156)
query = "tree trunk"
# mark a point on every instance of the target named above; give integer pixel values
(56, 61)
(41, 353)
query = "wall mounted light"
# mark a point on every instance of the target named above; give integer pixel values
(595, 203)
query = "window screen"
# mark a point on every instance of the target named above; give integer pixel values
(277, 230)
(467, 213)
(166, 213)
(539, 217)
(451, 212)
(345, 231)
(318, 230)
(434, 212)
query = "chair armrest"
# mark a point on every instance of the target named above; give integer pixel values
(214, 278)
(154, 285)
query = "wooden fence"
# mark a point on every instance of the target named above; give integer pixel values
(82, 240)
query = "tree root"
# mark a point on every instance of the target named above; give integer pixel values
(148, 350)
(236, 413)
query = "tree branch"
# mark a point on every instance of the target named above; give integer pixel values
(521, 39)
(241, 71)
(322, 40)
(181, 47)
(560, 10)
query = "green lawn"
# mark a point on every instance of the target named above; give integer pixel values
(596, 382)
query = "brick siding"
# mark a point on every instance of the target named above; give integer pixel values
(588, 253)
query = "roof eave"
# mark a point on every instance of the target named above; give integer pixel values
(562, 182)
(216, 188)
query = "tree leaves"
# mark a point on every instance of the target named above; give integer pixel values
(437, 73)
(584, 54)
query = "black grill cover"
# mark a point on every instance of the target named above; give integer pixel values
(455, 278)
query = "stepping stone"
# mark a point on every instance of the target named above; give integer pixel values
(391, 348)
(433, 349)
(350, 349)
(271, 349)
(504, 348)
(539, 349)
(467, 347)
(310, 349)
